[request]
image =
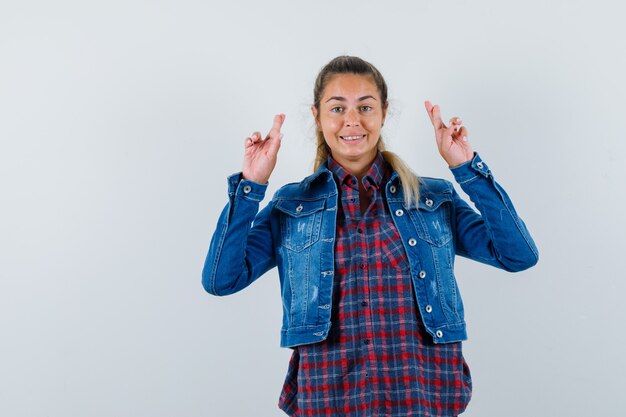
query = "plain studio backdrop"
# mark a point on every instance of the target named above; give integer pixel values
(120, 121)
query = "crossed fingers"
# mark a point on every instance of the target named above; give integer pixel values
(273, 135)
(434, 114)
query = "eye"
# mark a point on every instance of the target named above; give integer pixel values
(337, 109)
(366, 108)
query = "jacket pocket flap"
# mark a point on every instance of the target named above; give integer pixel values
(431, 202)
(299, 208)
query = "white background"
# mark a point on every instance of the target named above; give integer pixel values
(120, 120)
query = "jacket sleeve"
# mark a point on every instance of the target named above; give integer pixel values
(241, 248)
(497, 236)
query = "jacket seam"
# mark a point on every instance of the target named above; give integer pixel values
(218, 255)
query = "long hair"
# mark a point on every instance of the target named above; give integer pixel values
(353, 65)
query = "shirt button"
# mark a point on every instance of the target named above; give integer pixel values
(359, 230)
(422, 274)
(392, 189)
(247, 189)
(412, 242)
(479, 165)
(429, 308)
(364, 303)
(362, 266)
(439, 333)
(399, 212)
(366, 341)
(429, 202)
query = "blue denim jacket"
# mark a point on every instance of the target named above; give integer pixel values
(296, 233)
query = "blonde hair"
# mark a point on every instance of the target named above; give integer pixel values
(354, 65)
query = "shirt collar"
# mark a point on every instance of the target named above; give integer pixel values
(372, 178)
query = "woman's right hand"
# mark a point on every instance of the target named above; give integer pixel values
(259, 157)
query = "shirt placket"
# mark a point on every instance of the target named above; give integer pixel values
(361, 240)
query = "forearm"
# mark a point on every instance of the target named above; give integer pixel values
(497, 236)
(239, 253)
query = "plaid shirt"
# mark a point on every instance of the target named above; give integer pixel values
(378, 359)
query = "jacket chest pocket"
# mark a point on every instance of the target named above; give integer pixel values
(300, 223)
(432, 220)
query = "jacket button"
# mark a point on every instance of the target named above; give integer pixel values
(429, 202)
(412, 242)
(247, 189)
(399, 212)
(422, 274)
(392, 189)
(439, 333)
(299, 208)
(429, 308)
(479, 165)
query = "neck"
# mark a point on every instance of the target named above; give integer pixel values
(358, 167)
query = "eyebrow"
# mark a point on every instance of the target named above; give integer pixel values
(339, 98)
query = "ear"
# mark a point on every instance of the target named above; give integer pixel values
(314, 113)
(385, 108)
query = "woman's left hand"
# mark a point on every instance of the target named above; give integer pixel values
(451, 141)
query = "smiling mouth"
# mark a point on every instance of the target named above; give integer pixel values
(351, 138)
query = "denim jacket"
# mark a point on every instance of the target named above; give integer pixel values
(296, 233)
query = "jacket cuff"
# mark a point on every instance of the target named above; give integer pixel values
(471, 170)
(239, 187)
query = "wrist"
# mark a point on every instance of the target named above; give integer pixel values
(459, 160)
(454, 163)
(457, 164)
(256, 179)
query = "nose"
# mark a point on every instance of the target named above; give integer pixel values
(351, 118)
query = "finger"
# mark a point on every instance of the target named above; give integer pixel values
(455, 126)
(435, 116)
(429, 108)
(275, 144)
(458, 134)
(437, 122)
(256, 136)
(278, 123)
(463, 134)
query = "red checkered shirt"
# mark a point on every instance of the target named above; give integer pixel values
(378, 359)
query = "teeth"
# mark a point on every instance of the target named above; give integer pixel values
(352, 137)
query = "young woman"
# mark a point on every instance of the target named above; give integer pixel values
(365, 253)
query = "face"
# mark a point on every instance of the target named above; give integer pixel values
(350, 116)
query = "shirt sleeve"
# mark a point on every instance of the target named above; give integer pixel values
(241, 248)
(497, 236)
